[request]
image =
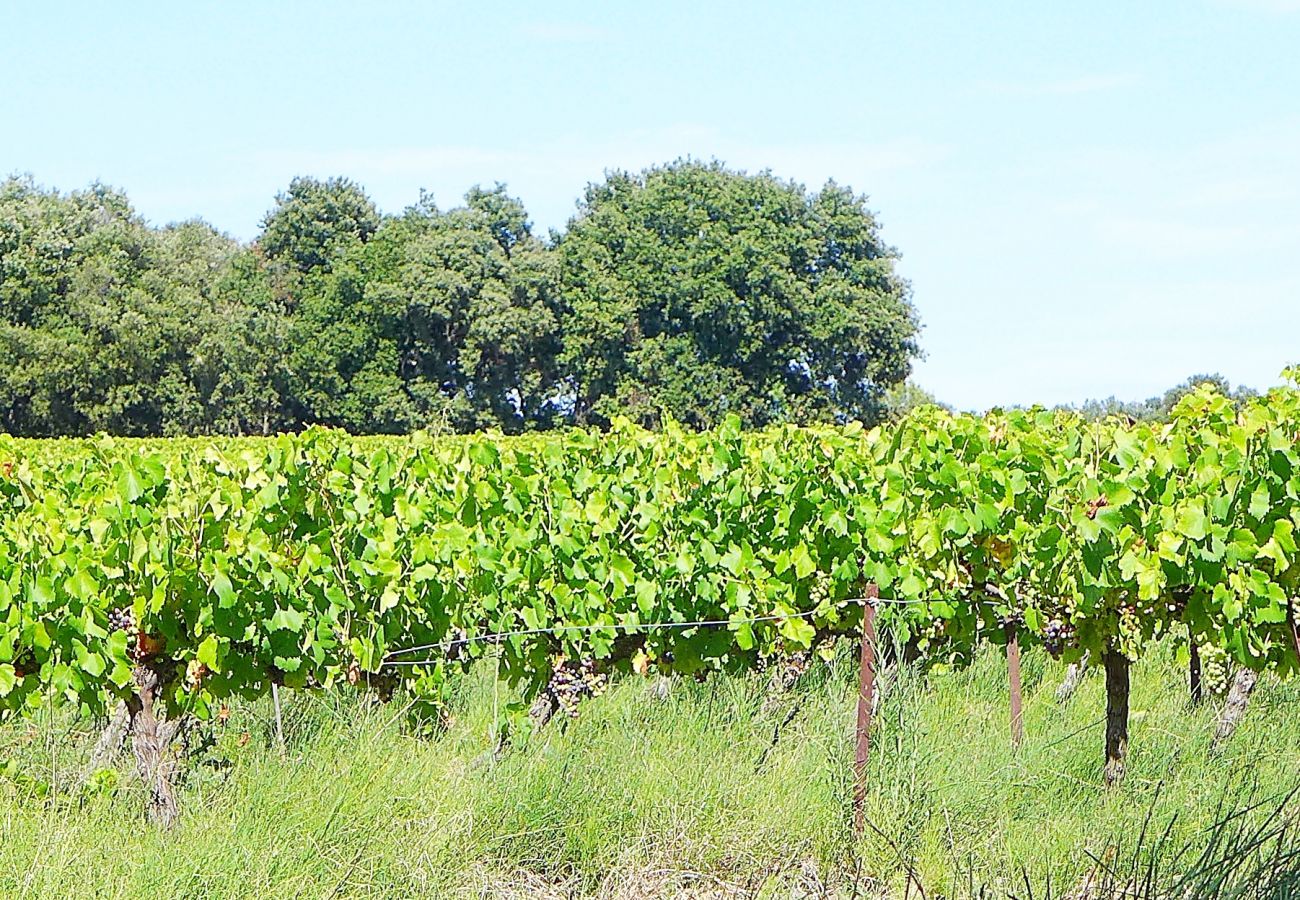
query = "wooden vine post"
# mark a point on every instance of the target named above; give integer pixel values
(1013, 674)
(866, 697)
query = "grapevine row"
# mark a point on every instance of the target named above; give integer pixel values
(307, 560)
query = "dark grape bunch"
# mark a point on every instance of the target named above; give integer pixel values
(572, 682)
(123, 619)
(937, 630)
(1176, 602)
(1056, 635)
(455, 647)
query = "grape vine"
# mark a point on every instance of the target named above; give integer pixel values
(316, 559)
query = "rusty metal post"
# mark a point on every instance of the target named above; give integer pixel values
(1013, 671)
(866, 697)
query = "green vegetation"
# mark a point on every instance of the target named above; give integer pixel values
(1159, 409)
(173, 576)
(688, 291)
(642, 797)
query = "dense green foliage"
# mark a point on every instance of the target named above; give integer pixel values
(688, 290)
(695, 290)
(314, 558)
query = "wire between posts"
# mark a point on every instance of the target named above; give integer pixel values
(634, 627)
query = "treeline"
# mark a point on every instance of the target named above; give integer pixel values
(1159, 409)
(686, 290)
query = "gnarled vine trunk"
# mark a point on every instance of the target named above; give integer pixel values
(110, 740)
(151, 740)
(662, 687)
(1074, 676)
(1117, 690)
(1234, 710)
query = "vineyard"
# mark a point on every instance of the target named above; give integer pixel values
(164, 578)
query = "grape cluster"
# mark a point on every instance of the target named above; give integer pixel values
(937, 630)
(572, 682)
(123, 619)
(457, 644)
(1130, 626)
(139, 645)
(1056, 635)
(819, 588)
(1176, 602)
(1214, 669)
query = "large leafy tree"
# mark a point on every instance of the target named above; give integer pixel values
(316, 221)
(99, 313)
(240, 370)
(1159, 409)
(442, 320)
(480, 319)
(695, 291)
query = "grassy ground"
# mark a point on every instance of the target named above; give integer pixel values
(644, 797)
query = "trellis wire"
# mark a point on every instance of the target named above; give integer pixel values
(498, 637)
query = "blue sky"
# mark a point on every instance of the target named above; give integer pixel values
(1090, 199)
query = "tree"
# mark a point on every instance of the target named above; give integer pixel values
(901, 399)
(481, 313)
(688, 290)
(442, 320)
(695, 291)
(240, 363)
(99, 313)
(316, 221)
(1158, 409)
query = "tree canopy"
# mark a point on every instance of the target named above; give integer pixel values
(688, 291)
(695, 291)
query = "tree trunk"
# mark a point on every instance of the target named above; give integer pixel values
(1074, 676)
(150, 741)
(1194, 671)
(542, 710)
(1117, 687)
(1235, 709)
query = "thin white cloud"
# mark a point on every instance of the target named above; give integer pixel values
(1169, 238)
(549, 176)
(1085, 84)
(1232, 198)
(566, 33)
(1268, 6)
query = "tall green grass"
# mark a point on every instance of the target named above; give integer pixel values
(648, 797)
